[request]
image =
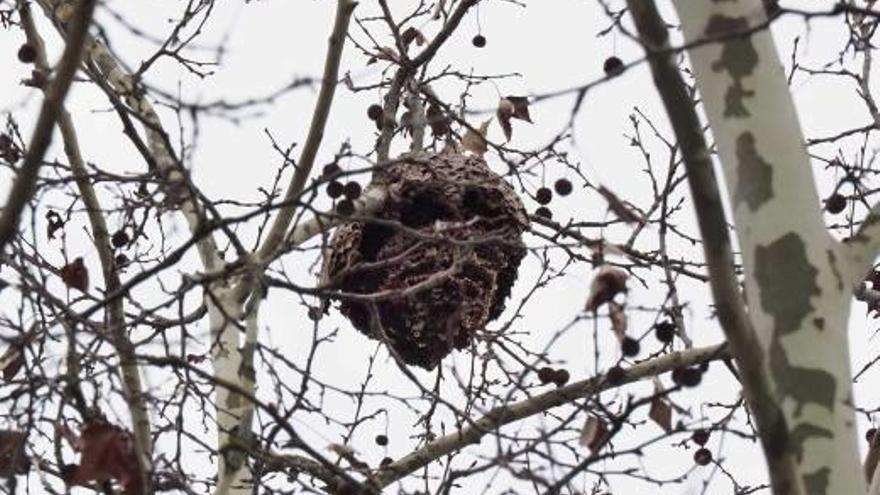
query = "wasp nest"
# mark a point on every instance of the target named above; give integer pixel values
(446, 272)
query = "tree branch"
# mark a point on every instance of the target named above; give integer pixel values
(132, 387)
(795, 274)
(503, 415)
(26, 179)
(344, 10)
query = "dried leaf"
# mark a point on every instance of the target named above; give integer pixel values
(607, 283)
(438, 120)
(406, 123)
(504, 114)
(76, 275)
(618, 207)
(520, 108)
(660, 412)
(106, 453)
(13, 459)
(871, 458)
(55, 222)
(475, 141)
(11, 362)
(195, 358)
(512, 107)
(594, 433)
(412, 34)
(618, 319)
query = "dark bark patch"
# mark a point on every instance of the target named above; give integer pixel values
(738, 58)
(754, 181)
(804, 432)
(816, 483)
(803, 385)
(832, 260)
(787, 281)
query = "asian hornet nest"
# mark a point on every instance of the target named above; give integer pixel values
(441, 260)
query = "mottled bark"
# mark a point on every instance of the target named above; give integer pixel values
(796, 278)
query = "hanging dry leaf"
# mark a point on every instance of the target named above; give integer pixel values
(412, 34)
(106, 453)
(438, 120)
(661, 411)
(618, 319)
(607, 283)
(520, 108)
(406, 123)
(54, 223)
(594, 433)
(76, 275)
(871, 458)
(504, 114)
(475, 141)
(512, 107)
(13, 459)
(11, 362)
(618, 207)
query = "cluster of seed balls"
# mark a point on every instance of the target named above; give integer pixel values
(349, 191)
(702, 456)
(544, 195)
(664, 331)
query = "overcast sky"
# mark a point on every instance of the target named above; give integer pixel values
(552, 45)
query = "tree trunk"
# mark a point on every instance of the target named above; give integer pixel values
(797, 277)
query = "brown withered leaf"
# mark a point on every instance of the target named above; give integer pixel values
(504, 114)
(594, 433)
(512, 107)
(618, 319)
(607, 283)
(11, 362)
(438, 120)
(76, 275)
(412, 34)
(475, 141)
(520, 108)
(618, 207)
(406, 123)
(106, 453)
(54, 223)
(13, 459)
(660, 412)
(195, 358)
